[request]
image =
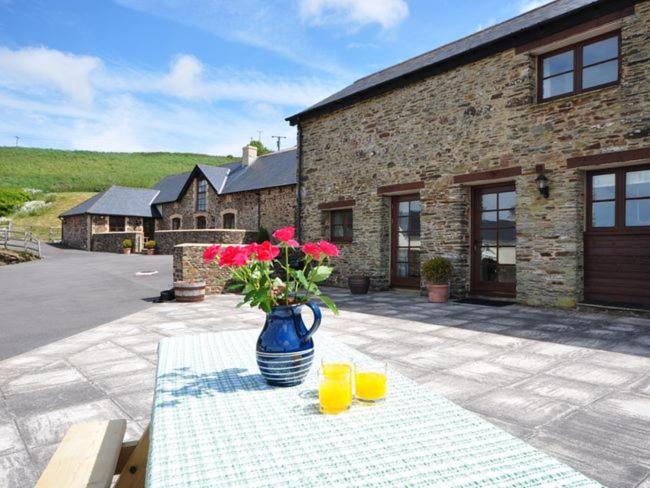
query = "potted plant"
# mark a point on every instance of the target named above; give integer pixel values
(359, 285)
(150, 246)
(127, 244)
(264, 274)
(437, 273)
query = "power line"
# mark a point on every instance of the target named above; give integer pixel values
(17, 139)
(277, 140)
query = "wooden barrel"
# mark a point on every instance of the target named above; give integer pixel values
(187, 291)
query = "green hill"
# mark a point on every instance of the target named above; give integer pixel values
(54, 170)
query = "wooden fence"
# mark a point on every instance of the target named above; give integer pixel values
(20, 240)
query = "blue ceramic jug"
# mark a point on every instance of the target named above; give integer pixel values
(285, 349)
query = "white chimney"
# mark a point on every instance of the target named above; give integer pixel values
(249, 155)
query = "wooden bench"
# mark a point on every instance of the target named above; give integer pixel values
(91, 453)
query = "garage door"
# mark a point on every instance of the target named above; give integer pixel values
(617, 240)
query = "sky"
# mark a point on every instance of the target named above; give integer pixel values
(203, 76)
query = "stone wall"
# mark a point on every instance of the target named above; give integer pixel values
(75, 231)
(166, 240)
(189, 266)
(100, 224)
(112, 241)
(479, 116)
(278, 207)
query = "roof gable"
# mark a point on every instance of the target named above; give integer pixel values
(118, 200)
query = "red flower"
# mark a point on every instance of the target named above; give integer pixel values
(293, 243)
(234, 256)
(210, 253)
(328, 248)
(285, 234)
(313, 250)
(266, 251)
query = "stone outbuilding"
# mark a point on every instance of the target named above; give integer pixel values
(226, 204)
(521, 153)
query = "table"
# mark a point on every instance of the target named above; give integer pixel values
(216, 423)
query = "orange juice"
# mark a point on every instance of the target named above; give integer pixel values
(335, 394)
(370, 386)
(333, 370)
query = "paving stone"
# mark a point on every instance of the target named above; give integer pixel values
(120, 367)
(530, 362)
(642, 386)
(31, 382)
(17, 470)
(433, 358)
(488, 372)
(10, 440)
(595, 374)
(565, 390)
(136, 404)
(100, 353)
(556, 349)
(116, 385)
(618, 360)
(49, 427)
(519, 407)
(53, 397)
(453, 387)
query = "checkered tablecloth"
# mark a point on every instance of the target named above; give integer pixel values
(216, 423)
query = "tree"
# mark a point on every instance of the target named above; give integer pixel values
(261, 148)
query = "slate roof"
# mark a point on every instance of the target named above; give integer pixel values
(118, 200)
(169, 188)
(516, 25)
(278, 168)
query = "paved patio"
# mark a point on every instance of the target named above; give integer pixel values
(575, 385)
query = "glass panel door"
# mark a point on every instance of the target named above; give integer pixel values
(494, 239)
(405, 242)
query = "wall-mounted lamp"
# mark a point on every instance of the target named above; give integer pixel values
(542, 185)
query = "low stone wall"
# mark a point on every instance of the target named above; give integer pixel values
(189, 266)
(167, 239)
(112, 241)
(74, 231)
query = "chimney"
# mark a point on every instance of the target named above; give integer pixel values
(249, 155)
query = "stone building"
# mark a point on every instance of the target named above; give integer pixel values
(521, 153)
(208, 204)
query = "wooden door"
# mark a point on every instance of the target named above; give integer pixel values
(405, 241)
(148, 228)
(494, 237)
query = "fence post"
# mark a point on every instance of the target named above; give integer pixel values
(39, 249)
(25, 242)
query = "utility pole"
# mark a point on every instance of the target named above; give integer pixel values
(259, 135)
(17, 139)
(277, 140)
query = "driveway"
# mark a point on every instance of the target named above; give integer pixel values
(70, 291)
(575, 385)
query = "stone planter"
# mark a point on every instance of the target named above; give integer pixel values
(150, 252)
(438, 293)
(126, 250)
(186, 291)
(359, 285)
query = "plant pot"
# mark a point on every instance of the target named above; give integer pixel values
(126, 250)
(150, 252)
(189, 291)
(359, 285)
(285, 349)
(438, 293)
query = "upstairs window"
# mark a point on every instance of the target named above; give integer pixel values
(584, 66)
(341, 225)
(201, 195)
(229, 221)
(176, 223)
(116, 224)
(201, 222)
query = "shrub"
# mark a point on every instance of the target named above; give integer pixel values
(127, 243)
(11, 200)
(437, 271)
(150, 244)
(262, 235)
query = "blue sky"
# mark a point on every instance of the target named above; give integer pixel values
(202, 75)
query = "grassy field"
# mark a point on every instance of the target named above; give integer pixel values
(54, 170)
(49, 217)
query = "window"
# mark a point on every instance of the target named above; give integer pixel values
(229, 221)
(620, 198)
(584, 66)
(341, 225)
(201, 222)
(176, 223)
(116, 224)
(201, 195)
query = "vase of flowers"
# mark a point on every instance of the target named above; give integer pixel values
(268, 279)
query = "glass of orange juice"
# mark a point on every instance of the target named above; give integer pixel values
(335, 390)
(371, 381)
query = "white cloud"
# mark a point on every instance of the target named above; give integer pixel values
(46, 68)
(526, 5)
(387, 13)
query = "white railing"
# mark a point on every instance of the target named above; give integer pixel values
(20, 240)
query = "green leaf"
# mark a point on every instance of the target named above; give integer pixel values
(330, 304)
(302, 279)
(320, 273)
